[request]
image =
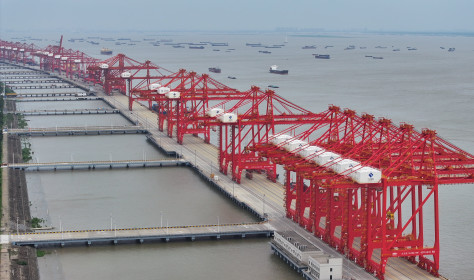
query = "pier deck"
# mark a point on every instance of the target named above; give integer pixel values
(69, 131)
(138, 235)
(66, 112)
(40, 166)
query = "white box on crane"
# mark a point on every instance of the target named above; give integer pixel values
(163, 90)
(228, 118)
(214, 112)
(366, 175)
(294, 145)
(310, 150)
(154, 86)
(326, 157)
(277, 139)
(173, 94)
(343, 165)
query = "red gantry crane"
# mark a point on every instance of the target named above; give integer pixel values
(365, 186)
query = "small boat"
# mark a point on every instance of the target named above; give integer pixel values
(274, 70)
(309, 47)
(322, 56)
(196, 47)
(106, 51)
(396, 50)
(216, 50)
(273, 86)
(215, 69)
(231, 77)
(264, 52)
(451, 49)
(412, 49)
(219, 44)
(377, 57)
(178, 46)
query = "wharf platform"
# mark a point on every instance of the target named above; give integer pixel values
(51, 94)
(38, 76)
(54, 99)
(46, 166)
(27, 81)
(40, 87)
(16, 73)
(71, 131)
(139, 235)
(66, 112)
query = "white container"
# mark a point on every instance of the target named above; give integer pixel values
(163, 90)
(366, 175)
(58, 56)
(51, 55)
(294, 145)
(77, 60)
(104, 66)
(214, 112)
(228, 118)
(22, 50)
(64, 58)
(326, 157)
(15, 49)
(2, 47)
(277, 139)
(126, 75)
(154, 86)
(173, 94)
(310, 150)
(343, 165)
(8, 48)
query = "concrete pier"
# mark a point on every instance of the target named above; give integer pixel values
(139, 235)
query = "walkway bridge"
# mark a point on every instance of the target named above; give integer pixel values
(40, 166)
(41, 87)
(85, 98)
(65, 112)
(27, 81)
(85, 130)
(139, 235)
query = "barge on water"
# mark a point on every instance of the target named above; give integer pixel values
(215, 69)
(321, 56)
(106, 51)
(274, 69)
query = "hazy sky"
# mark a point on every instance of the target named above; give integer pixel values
(156, 15)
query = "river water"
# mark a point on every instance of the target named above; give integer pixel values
(428, 87)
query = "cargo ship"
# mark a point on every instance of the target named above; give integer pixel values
(215, 69)
(274, 70)
(322, 56)
(106, 51)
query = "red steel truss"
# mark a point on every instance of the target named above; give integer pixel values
(372, 222)
(368, 222)
(109, 73)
